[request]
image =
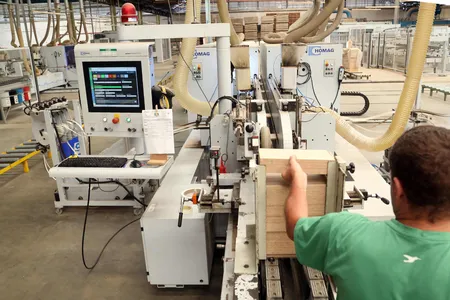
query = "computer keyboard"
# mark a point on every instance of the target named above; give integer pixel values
(93, 162)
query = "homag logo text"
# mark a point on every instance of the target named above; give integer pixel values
(201, 53)
(317, 50)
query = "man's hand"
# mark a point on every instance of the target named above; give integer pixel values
(294, 174)
(296, 206)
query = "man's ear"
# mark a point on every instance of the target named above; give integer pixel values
(399, 192)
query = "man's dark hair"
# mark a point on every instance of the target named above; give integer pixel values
(420, 159)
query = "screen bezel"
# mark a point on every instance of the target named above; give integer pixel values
(112, 64)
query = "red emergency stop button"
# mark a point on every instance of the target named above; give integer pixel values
(115, 120)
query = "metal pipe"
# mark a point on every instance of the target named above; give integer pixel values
(25, 23)
(223, 72)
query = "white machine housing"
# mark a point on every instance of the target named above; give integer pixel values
(60, 59)
(317, 130)
(118, 119)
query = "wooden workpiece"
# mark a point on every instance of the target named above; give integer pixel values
(315, 164)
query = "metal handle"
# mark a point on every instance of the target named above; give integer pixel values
(180, 219)
(385, 201)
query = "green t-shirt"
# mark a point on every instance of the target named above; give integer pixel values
(375, 260)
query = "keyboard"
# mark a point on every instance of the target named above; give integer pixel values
(93, 162)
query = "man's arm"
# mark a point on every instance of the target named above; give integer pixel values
(296, 206)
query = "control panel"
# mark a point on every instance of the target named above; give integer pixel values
(116, 124)
(329, 66)
(197, 71)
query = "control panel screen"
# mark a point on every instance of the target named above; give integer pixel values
(114, 86)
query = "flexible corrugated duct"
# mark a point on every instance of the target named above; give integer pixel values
(410, 89)
(11, 24)
(224, 15)
(69, 22)
(49, 21)
(307, 16)
(26, 63)
(32, 24)
(56, 38)
(323, 34)
(303, 31)
(182, 70)
(83, 24)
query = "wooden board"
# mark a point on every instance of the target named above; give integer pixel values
(315, 164)
(312, 161)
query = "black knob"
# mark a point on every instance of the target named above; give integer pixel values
(351, 168)
(249, 128)
(129, 129)
(106, 128)
(133, 129)
(92, 128)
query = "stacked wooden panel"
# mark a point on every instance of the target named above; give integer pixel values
(282, 23)
(238, 24)
(251, 28)
(267, 25)
(293, 17)
(315, 164)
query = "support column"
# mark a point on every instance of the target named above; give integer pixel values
(224, 72)
(208, 18)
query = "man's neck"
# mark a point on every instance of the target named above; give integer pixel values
(440, 226)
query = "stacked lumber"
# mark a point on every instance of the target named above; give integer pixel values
(282, 23)
(293, 17)
(267, 25)
(251, 28)
(238, 24)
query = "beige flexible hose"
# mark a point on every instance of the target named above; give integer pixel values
(225, 18)
(323, 34)
(11, 24)
(32, 23)
(183, 68)
(69, 23)
(410, 89)
(308, 28)
(83, 23)
(307, 16)
(26, 63)
(56, 38)
(49, 22)
(264, 134)
(298, 33)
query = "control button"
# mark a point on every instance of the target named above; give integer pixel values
(129, 129)
(106, 128)
(115, 120)
(128, 120)
(92, 128)
(133, 130)
(105, 119)
(249, 128)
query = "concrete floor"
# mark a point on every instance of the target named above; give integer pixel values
(40, 254)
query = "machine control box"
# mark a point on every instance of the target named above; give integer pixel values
(197, 71)
(329, 67)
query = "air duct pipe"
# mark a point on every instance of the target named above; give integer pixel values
(183, 67)
(49, 22)
(410, 89)
(307, 16)
(296, 34)
(83, 23)
(56, 38)
(235, 39)
(26, 63)
(32, 24)
(11, 23)
(70, 29)
(323, 34)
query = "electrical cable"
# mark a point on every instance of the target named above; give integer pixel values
(217, 102)
(337, 93)
(307, 75)
(312, 82)
(83, 236)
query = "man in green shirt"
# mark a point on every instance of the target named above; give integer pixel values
(404, 258)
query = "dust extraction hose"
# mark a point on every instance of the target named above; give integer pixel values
(55, 37)
(183, 68)
(296, 34)
(235, 39)
(49, 22)
(410, 88)
(323, 34)
(306, 17)
(11, 24)
(26, 63)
